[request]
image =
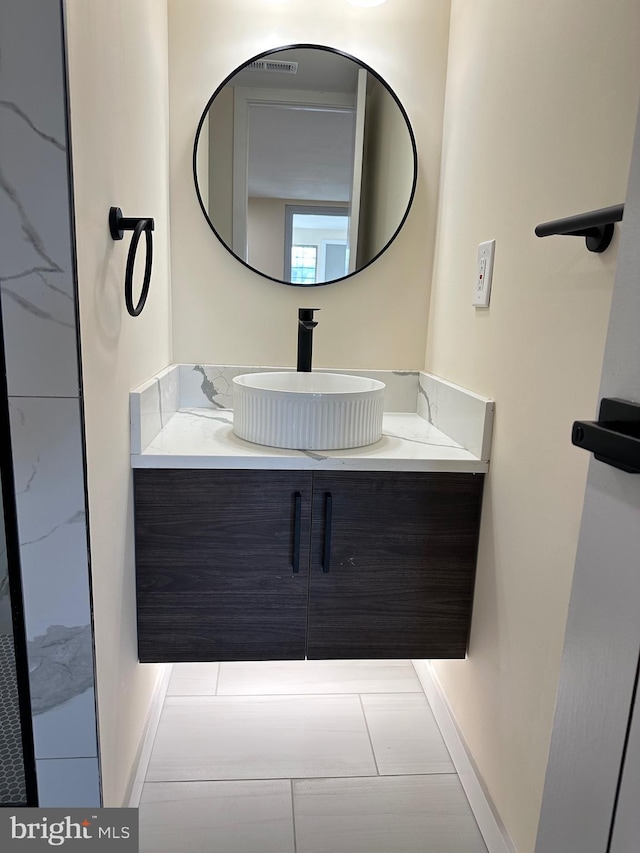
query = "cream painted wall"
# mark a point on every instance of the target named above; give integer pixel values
(540, 110)
(220, 177)
(119, 128)
(223, 312)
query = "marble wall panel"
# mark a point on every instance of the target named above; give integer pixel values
(67, 730)
(68, 782)
(49, 478)
(36, 270)
(39, 310)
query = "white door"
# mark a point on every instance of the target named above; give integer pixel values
(591, 797)
(626, 825)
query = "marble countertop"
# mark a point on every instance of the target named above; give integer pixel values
(204, 438)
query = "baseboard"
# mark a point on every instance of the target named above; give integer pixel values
(493, 830)
(139, 771)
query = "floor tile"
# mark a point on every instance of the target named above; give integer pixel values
(261, 737)
(403, 814)
(216, 817)
(311, 676)
(404, 734)
(193, 679)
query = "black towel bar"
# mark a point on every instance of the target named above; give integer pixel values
(615, 437)
(596, 226)
(118, 224)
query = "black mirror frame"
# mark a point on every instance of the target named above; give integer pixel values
(412, 138)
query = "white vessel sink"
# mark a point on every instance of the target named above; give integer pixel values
(307, 411)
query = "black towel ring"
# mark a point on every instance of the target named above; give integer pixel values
(118, 224)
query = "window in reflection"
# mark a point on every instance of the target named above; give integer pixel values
(316, 243)
(304, 264)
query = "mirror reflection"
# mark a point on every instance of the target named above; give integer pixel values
(305, 165)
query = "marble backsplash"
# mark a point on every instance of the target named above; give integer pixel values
(465, 417)
(210, 386)
(152, 405)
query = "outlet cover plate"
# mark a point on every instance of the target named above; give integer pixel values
(484, 274)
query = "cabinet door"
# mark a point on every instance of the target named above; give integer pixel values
(392, 564)
(215, 553)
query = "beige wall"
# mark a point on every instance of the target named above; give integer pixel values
(119, 129)
(540, 110)
(223, 312)
(219, 146)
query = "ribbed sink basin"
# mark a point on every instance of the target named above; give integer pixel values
(307, 411)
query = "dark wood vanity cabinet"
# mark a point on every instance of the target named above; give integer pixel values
(402, 564)
(279, 565)
(214, 564)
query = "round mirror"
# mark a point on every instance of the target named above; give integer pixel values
(305, 165)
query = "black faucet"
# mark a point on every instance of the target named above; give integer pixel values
(306, 325)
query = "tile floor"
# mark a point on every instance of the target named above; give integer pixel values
(302, 757)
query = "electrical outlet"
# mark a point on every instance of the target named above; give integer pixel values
(484, 273)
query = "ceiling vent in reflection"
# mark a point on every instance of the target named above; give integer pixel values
(273, 65)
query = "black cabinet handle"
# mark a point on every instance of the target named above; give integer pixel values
(297, 513)
(328, 512)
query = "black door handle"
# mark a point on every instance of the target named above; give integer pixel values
(328, 513)
(615, 437)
